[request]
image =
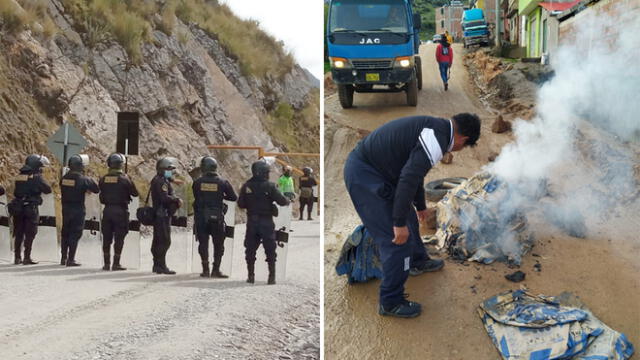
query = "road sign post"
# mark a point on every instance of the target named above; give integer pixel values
(66, 142)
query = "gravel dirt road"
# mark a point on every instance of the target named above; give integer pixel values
(51, 312)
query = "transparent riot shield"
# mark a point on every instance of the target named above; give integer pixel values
(179, 254)
(283, 226)
(90, 246)
(130, 257)
(5, 234)
(46, 245)
(226, 266)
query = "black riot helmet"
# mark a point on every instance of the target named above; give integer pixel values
(115, 161)
(35, 162)
(260, 169)
(307, 171)
(166, 163)
(78, 162)
(208, 165)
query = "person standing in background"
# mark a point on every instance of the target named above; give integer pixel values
(444, 57)
(285, 184)
(307, 182)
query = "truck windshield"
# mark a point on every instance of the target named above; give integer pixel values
(473, 23)
(368, 16)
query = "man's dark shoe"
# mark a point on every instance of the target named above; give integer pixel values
(406, 309)
(118, 267)
(446, 87)
(166, 271)
(28, 261)
(72, 263)
(430, 265)
(63, 261)
(205, 270)
(218, 274)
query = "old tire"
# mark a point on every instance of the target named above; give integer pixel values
(419, 72)
(345, 94)
(437, 189)
(412, 92)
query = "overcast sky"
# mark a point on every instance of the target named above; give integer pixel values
(296, 22)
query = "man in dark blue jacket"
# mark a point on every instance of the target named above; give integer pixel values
(384, 175)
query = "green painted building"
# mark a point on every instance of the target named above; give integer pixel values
(532, 28)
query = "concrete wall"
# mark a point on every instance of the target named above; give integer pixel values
(621, 12)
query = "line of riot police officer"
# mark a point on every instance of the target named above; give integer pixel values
(116, 190)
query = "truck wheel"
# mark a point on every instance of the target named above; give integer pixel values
(412, 92)
(419, 72)
(345, 93)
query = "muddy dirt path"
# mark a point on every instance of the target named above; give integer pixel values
(51, 312)
(602, 271)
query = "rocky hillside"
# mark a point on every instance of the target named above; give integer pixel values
(197, 75)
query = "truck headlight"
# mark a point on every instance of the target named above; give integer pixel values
(339, 63)
(404, 61)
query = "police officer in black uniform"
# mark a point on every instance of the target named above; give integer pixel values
(307, 182)
(165, 204)
(74, 186)
(29, 186)
(209, 191)
(257, 196)
(116, 191)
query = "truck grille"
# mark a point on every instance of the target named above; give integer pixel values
(372, 64)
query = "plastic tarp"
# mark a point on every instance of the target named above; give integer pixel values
(5, 233)
(46, 246)
(90, 245)
(359, 257)
(226, 266)
(526, 326)
(476, 222)
(282, 227)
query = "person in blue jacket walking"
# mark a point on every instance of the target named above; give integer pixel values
(384, 176)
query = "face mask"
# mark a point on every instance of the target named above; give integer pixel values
(167, 174)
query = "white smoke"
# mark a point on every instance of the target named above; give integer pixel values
(582, 145)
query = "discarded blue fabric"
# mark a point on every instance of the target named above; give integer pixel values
(525, 326)
(359, 258)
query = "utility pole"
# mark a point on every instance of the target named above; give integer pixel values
(498, 40)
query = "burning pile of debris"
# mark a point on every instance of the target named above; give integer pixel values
(478, 221)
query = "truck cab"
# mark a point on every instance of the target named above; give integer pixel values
(474, 27)
(373, 47)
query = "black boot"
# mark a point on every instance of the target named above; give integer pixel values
(164, 269)
(205, 269)
(116, 264)
(272, 273)
(156, 267)
(107, 262)
(251, 277)
(27, 258)
(17, 260)
(63, 260)
(309, 217)
(215, 272)
(72, 262)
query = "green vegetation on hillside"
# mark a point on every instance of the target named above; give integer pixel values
(296, 130)
(427, 10)
(132, 22)
(30, 14)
